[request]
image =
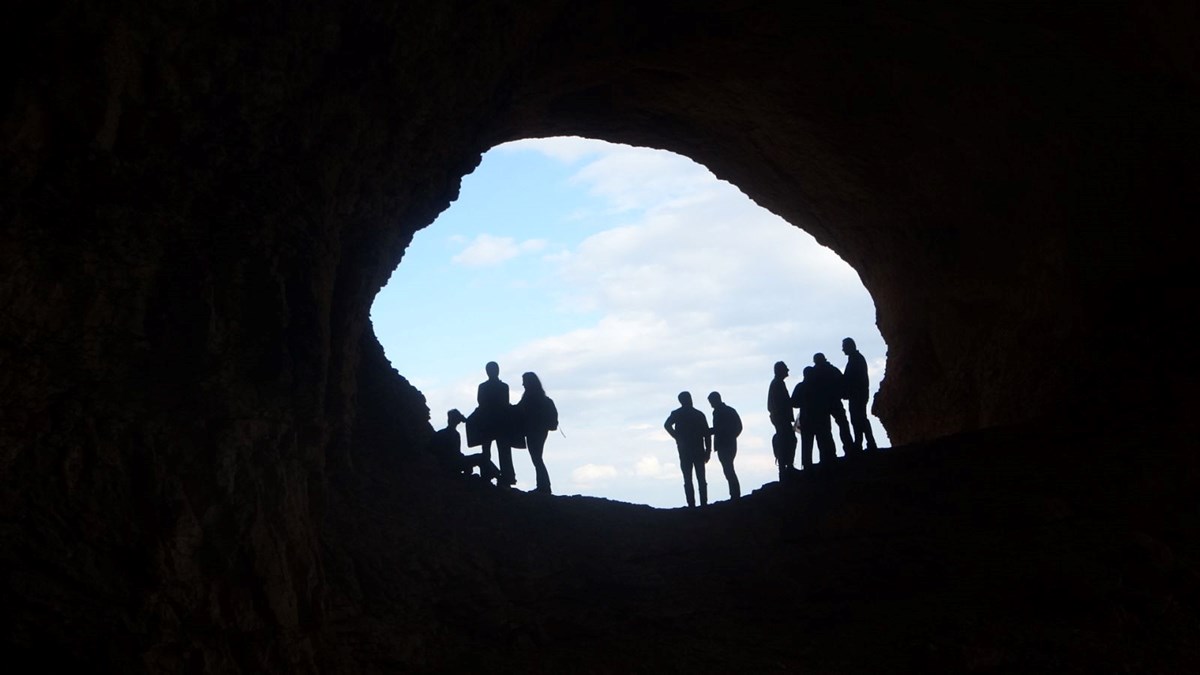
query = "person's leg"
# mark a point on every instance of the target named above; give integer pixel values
(486, 450)
(858, 410)
(862, 424)
(806, 445)
(537, 443)
(487, 470)
(823, 434)
(725, 456)
(858, 420)
(702, 482)
(776, 444)
(784, 443)
(789, 447)
(843, 425)
(685, 466)
(507, 475)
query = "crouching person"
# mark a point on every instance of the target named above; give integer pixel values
(446, 446)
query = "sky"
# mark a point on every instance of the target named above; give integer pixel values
(621, 276)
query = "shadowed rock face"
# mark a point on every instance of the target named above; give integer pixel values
(208, 464)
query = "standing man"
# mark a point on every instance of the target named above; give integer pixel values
(813, 396)
(689, 427)
(858, 390)
(726, 427)
(833, 385)
(495, 421)
(779, 406)
(805, 424)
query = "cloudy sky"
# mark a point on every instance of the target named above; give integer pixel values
(621, 276)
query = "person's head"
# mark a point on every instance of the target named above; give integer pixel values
(807, 371)
(685, 399)
(454, 417)
(714, 399)
(819, 358)
(531, 383)
(781, 369)
(492, 369)
(848, 346)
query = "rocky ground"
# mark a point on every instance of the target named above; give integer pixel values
(981, 553)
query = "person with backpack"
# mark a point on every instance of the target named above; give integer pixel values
(726, 427)
(538, 417)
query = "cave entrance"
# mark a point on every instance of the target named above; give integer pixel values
(621, 276)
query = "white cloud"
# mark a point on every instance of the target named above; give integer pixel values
(697, 289)
(566, 149)
(651, 467)
(589, 474)
(487, 250)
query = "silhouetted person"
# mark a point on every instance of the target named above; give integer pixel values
(726, 427)
(823, 393)
(831, 378)
(779, 406)
(689, 427)
(446, 446)
(538, 417)
(858, 391)
(805, 423)
(494, 421)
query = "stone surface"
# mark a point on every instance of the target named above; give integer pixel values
(208, 464)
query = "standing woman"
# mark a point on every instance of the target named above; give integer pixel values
(538, 418)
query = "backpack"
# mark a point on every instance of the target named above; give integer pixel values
(549, 415)
(737, 423)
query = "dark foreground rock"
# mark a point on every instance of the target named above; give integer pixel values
(207, 464)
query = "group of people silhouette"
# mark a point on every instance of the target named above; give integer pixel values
(818, 397)
(695, 441)
(495, 420)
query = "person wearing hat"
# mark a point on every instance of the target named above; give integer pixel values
(446, 446)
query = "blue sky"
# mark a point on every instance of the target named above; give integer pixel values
(622, 276)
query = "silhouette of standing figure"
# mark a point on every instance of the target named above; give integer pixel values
(689, 427)
(495, 422)
(538, 417)
(805, 422)
(858, 390)
(824, 393)
(726, 427)
(446, 446)
(832, 377)
(779, 406)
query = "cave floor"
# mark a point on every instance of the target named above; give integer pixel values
(990, 552)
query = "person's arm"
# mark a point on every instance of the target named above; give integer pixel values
(667, 426)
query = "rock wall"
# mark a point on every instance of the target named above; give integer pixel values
(200, 202)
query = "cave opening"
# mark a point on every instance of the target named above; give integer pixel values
(621, 275)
